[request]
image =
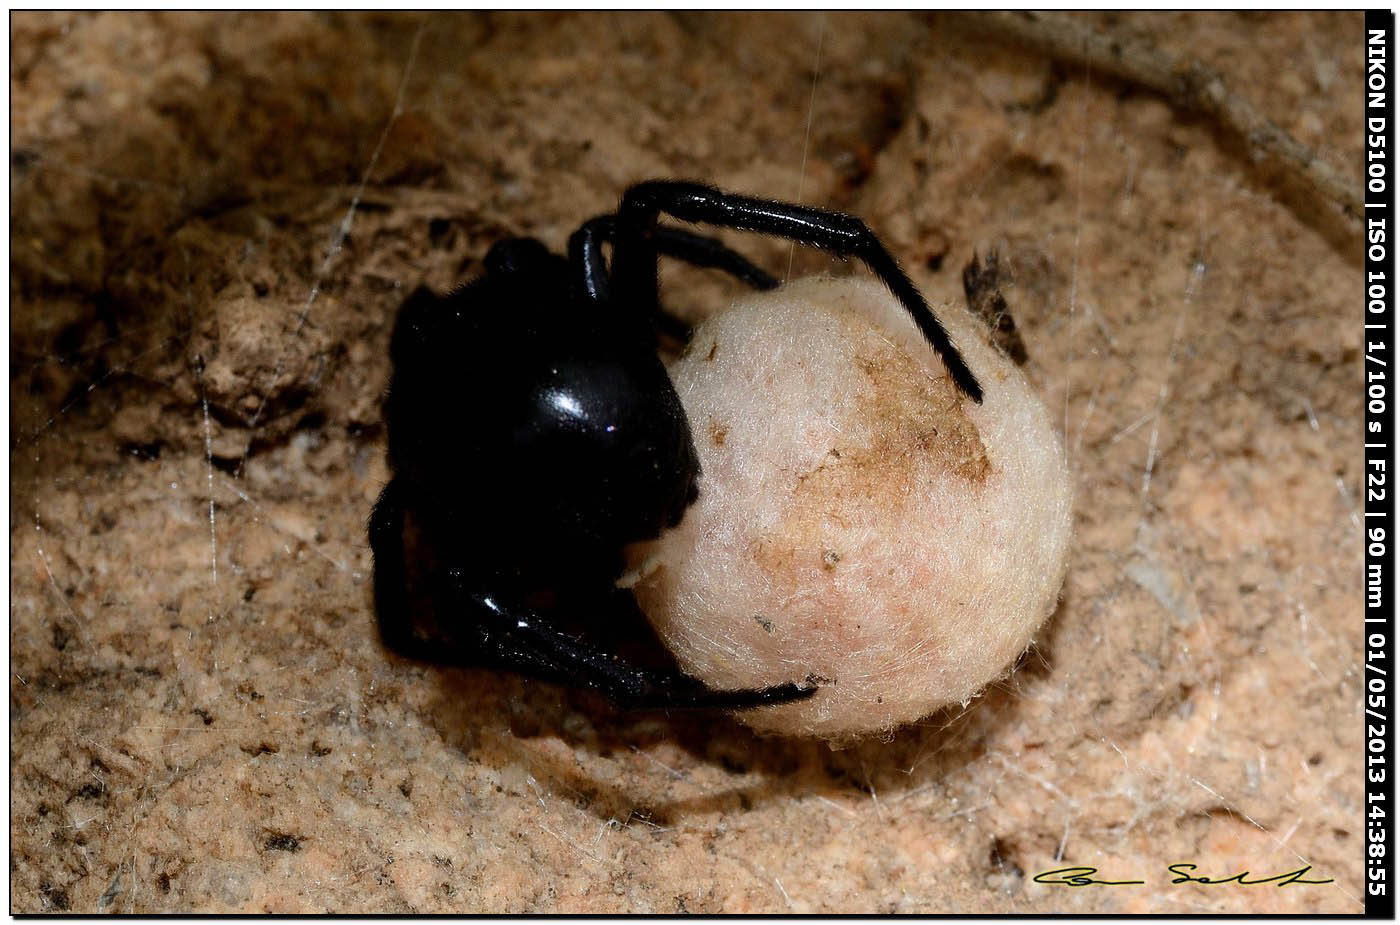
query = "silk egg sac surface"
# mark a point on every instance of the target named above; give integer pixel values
(860, 522)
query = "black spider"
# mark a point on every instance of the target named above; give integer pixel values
(533, 432)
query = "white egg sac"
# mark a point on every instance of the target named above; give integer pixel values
(860, 522)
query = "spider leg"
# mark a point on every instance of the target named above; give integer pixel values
(712, 253)
(586, 255)
(458, 625)
(392, 603)
(524, 642)
(638, 243)
(517, 255)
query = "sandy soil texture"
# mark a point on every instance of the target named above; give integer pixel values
(215, 218)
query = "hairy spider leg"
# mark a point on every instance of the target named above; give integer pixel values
(491, 632)
(638, 243)
(591, 271)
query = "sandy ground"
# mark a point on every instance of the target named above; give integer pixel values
(201, 716)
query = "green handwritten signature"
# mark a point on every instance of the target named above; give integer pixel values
(1182, 873)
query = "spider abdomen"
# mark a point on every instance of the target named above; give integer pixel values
(545, 425)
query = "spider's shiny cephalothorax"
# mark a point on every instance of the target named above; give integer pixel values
(533, 432)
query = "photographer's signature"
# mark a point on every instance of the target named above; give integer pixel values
(1181, 873)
